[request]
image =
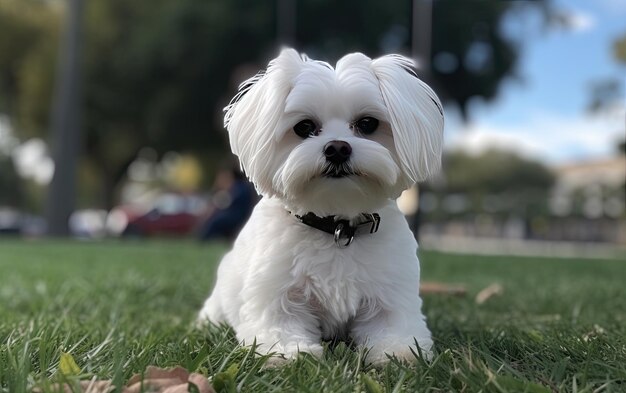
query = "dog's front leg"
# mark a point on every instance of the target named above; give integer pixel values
(285, 328)
(393, 333)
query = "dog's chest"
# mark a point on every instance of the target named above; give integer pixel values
(331, 284)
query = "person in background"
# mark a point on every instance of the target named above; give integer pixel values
(232, 202)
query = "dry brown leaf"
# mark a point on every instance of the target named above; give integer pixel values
(487, 293)
(153, 372)
(153, 380)
(201, 382)
(94, 386)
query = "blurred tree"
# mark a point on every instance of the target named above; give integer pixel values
(608, 91)
(494, 171)
(472, 54)
(605, 93)
(156, 76)
(619, 49)
(9, 183)
(158, 72)
(28, 40)
(327, 29)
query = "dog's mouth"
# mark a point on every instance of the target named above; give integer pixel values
(338, 171)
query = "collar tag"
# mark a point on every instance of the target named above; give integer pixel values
(343, 230)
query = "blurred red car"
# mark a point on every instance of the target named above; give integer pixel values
(170, 214)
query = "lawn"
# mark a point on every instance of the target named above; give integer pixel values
(559, 325)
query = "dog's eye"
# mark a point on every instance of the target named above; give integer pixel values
(305, 128)
(366, 125)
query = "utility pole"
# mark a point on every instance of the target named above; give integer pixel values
(65, 124)
(421, 41)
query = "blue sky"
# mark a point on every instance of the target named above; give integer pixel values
(544, 115)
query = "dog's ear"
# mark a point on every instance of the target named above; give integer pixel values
(416, 116)
(253, 114)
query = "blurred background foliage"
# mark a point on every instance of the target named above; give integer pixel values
(157, 73)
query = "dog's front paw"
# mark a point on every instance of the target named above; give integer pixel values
(284, 354)
(292, 350)
(277, 360)
(380, 355)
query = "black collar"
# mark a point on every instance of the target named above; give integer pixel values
(342, 230)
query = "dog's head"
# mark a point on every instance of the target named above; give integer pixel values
(337, 140)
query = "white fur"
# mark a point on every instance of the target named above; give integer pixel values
(287, 285)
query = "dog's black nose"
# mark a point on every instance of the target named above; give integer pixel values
(337, 152)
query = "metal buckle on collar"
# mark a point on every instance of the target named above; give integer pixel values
(374, 218)
(343, 231)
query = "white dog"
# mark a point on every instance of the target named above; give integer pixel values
(326, 253)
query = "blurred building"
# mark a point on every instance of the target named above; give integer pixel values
(587, 203)
(590, 175)
(589, 200)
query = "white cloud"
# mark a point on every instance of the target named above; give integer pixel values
(546, 137)
(579, 21)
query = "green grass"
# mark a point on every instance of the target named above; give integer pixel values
(560, 325)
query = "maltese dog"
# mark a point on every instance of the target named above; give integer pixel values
(326, 253)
